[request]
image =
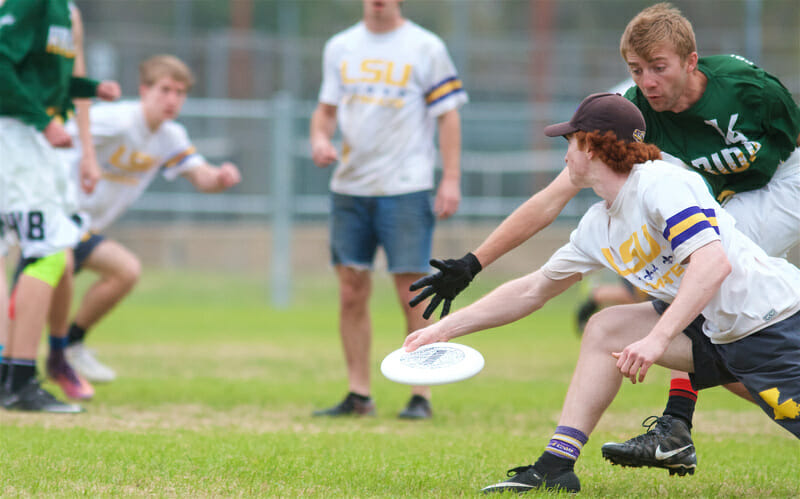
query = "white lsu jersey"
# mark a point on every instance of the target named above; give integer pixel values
(130, 156)
(389, 89)
(660, 216)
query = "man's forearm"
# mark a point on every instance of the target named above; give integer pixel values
(528, 219)
(450, 145)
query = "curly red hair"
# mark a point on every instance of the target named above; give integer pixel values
(619, 155)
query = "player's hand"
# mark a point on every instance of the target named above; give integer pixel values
(448, 197)
(56, 135)
(108, 90)
(323, 153)
(635, 360)
(425, 336)
(451, 279)
(228, 175)
(90, 173)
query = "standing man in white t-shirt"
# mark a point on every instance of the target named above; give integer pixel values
(389, 83)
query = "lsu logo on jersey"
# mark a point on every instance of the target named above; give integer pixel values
(633, 254)
(736, 158)
(133, 162)
(59, 41)
(652, 272)
(377, 71)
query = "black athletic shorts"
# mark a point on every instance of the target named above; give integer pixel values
(766, 362)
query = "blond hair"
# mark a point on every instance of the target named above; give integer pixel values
(158, 66)
(655, 25)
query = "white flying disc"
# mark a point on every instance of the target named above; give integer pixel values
(433, 364)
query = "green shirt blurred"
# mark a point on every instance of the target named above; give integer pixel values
(36, 58)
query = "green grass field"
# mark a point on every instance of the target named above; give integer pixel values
(215, 391)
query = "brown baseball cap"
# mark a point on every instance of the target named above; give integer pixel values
(604, 112)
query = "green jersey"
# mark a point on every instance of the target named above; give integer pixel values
(36, 58)
(743, 126)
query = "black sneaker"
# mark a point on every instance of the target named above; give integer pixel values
(667, 444)
(525, 478)
(32, 397)
(585, 311)
(418, 408)
(350, 406)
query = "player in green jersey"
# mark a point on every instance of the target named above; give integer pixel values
(37, 52)
(722, 116)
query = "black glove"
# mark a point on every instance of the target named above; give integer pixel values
(453, 277)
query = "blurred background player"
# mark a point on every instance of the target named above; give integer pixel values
(390, 83)
(36, 83)
(721, 116)
(133, 142)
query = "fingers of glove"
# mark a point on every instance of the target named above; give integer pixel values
(421, 296)
(432, 306)
(442, 265)
(424, 281)
(445, 307)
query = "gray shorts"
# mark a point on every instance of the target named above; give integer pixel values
(767, 363)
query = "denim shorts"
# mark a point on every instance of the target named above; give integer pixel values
(402, 225)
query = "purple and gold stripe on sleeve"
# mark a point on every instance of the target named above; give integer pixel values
(180, 157)
(443, 89)
(689, 222)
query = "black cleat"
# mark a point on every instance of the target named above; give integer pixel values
(418, 408)
(350, 406)
(526, 478)
(32, 397)
(667, 444)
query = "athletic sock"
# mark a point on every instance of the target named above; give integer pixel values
(361, 398)
(57, 344)
(562, 451)
(682, 399)
(75, 334)
(20, 371)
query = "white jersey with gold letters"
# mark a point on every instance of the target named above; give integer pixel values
(389, 88)
(660, 216)
(130, 156)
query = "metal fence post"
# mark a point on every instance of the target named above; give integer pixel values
(281, 194)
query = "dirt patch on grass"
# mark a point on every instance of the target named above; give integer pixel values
(195, 417)
(256, 420)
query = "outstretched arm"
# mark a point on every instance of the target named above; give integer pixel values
(208, 178)
(528, 219)
(508, 303)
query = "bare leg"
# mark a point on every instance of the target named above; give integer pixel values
(31, 309)
(596, 379)
(119, 271)
(59, 308)
(414, 319)
(355, 287)
(613, 294)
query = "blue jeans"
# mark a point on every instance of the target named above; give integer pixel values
(402, 225)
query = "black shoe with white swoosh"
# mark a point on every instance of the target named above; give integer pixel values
(667, 444)
(525, 478)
